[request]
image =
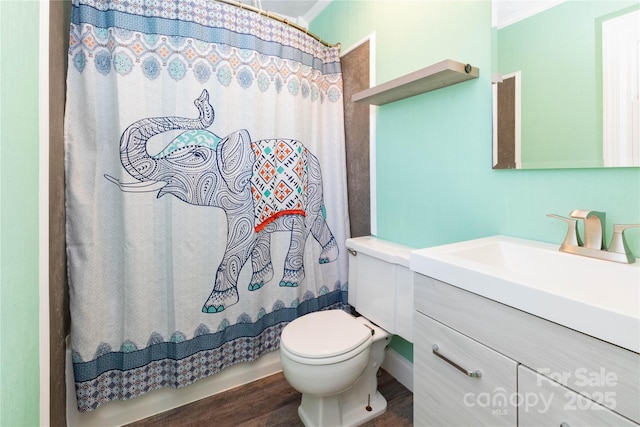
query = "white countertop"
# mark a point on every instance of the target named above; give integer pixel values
(596, 297)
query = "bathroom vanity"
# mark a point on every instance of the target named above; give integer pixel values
(484, 358)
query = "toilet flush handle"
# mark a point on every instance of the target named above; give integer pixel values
(352, 252)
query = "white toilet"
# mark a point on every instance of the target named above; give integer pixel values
(332, 357)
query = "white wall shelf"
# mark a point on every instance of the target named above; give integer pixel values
(436, 76)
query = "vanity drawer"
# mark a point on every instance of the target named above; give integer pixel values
(547, 403)
(578, 361)
(449, 397)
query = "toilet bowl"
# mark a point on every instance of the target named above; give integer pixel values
(333, 357)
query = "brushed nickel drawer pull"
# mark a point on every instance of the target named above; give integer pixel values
(475, 374)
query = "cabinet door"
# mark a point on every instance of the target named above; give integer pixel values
(546, 403)
(444, 395)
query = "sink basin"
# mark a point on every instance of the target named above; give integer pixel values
(599, 298)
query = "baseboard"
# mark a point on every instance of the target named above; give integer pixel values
(399, 368)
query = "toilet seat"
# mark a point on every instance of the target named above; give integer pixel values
(325, 337)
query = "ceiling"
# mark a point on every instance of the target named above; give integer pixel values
(302, 12)
(299, 11)
(507, 12)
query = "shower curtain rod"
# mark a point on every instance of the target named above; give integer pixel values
(277, 18)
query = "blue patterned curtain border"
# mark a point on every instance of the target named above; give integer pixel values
(181, 364)
(118, 360)
(292, 47)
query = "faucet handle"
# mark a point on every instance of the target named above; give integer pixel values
(619, 243)
(572, 238)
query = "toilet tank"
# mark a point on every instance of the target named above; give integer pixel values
(381, 284)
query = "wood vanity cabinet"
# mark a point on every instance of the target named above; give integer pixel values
(533, 372)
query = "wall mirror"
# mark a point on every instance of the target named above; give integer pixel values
(566, 84)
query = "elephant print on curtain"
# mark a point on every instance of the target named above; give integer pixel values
(263, 186)
(165, 291)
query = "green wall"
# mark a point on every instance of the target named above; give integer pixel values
(559, 54)
(19, 147)
(435, 184)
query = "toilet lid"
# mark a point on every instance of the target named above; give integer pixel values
(324, 334)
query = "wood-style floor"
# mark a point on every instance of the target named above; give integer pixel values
(272, 402)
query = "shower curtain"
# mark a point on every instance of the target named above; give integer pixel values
(205, 190)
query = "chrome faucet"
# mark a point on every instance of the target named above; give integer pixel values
(593, 246)
(593, 227)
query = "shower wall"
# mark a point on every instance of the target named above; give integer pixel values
(59, 16)
(355, 77)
